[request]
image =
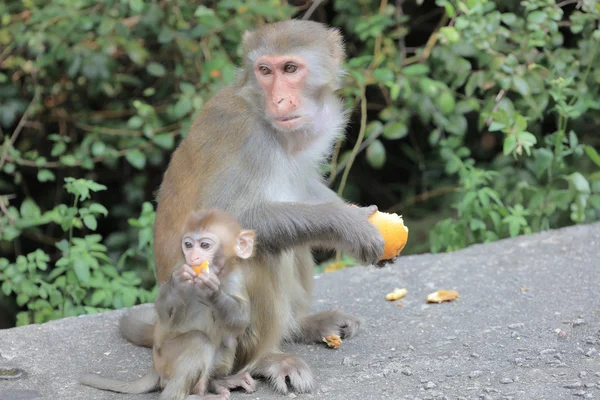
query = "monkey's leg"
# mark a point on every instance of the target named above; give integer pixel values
(147, 383)
(277, 367)
(315, 327)
(138, 326)
(192, 367)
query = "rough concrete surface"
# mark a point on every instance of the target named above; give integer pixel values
(526, 326)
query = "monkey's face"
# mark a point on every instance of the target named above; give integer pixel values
(200, 246)
(282, 79)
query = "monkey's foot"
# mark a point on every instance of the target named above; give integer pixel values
(209, 397)
(240, 380)
(277, 367)
(317, 326)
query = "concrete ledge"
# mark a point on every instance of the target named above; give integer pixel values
(496, 342)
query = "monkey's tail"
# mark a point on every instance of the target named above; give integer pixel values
(147, 383)
(137, 326)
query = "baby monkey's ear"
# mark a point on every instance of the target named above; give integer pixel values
(245, 244)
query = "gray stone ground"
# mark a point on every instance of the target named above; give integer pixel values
(496, 342)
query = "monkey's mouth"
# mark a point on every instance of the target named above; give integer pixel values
(288, 123)
(287, 119)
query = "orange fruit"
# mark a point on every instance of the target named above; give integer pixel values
(202, 267)
(395, 234)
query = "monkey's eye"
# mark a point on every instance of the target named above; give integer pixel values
(290, 68)
(205, 245)
(188, 245)
(264, 70)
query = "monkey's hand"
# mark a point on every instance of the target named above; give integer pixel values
(367, 244)
(207, 285)
(183, 278)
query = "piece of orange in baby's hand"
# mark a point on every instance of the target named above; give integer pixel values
(394, 232)
(202, 267)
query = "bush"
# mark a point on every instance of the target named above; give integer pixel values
(489, 107)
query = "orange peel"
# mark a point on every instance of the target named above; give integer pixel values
(441, 296)
(394, 232)
(333, 341)
(202, 267)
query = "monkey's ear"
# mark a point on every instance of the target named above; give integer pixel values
(246, 40)
(245, 244)
(336, 45)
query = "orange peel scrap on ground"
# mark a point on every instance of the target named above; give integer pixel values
(441, 296)
(333, 341)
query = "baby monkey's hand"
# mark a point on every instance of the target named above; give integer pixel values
(207, 285)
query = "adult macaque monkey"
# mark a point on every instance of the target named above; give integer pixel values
(200, 316)
(254, 150)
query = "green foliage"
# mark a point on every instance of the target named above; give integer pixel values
(83, 279)
(509, 96)
(474, 119)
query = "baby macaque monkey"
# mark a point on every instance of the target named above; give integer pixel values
(200, 316)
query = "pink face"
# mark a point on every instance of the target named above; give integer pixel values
(282, 79)
(198, 247)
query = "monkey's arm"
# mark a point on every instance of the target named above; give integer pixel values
(170, 303)
(231, 304)
(281, 226)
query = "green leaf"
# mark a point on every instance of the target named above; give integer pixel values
(476, 225)
(434, 137)
(136, 158)
(164, 140)
(573, 141)
(82, 270)
(383, 75)
(510, 143)
(543, 160)
(447, 103)
(98, 296)
(98, 149)
(450, 33)
(182, 107)
(508, 18)
(69, 160)
(416, 70)
(593, 155)
(128, 298)
(96, 208)
(45, 175)
(156, 69)
(496, 126)
(90, 222)
(521, 85)
(6, 288)
(579, 182)
(537, 17)
(29, 209)
(520, 123)
(395, 131)
(135, 122)
(526, 140)
(376, 154)
(394, 90)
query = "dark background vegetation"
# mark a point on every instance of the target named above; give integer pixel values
(476, 120)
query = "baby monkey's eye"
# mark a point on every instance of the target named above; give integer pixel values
(264, 70)
(289, 68)
(188, 245)
(205, 245)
